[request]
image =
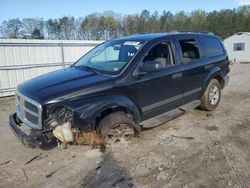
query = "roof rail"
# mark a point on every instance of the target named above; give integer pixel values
(189, 31)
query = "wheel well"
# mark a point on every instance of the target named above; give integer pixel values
(111, 110)
(220, 79)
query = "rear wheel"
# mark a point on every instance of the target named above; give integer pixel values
(117, 127)
(212, 95)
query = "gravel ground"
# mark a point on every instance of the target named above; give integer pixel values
(199, 149)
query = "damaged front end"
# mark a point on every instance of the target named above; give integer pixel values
(63, 129)
(28, 136)
(43, 125)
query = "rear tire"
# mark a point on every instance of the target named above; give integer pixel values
(116, 127)
(212, 95)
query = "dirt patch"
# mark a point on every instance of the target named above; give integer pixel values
(212, 128)
(199, 149)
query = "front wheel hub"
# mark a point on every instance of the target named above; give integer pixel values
(122, 132)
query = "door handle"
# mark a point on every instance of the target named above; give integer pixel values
(177, 75)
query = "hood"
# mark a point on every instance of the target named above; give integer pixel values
(64, 84)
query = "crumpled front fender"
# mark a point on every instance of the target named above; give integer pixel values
(85, 114)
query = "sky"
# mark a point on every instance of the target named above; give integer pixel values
(79, 8)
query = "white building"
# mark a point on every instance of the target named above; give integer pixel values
(238, 47)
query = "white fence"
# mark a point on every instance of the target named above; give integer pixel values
(22, 59)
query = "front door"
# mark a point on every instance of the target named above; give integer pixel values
(159, 91)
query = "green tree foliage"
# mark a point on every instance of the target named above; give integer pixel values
(53, 29)
(107, 25)
(198, 20)
(67, 27)
(31, 24)
(182, 21)
(166, 21)
(36, 34)
(90, 26)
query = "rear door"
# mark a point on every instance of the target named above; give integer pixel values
(193, 67)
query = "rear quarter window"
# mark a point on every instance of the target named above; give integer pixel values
(213, 46)
(190, 50)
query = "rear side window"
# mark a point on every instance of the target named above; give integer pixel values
(213, 46)
(190, 50)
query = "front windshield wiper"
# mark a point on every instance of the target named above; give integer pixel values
(88, 67)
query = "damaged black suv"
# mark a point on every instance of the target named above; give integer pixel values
(122, 86)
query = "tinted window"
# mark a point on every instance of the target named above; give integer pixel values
(239, 46)
(213, 46)
(190, 50)
(162, 53)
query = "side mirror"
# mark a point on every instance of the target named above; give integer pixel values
(151, 66)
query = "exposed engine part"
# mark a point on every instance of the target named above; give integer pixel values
(50, 122)
(64, 132)
(88, 136)
(62, 115)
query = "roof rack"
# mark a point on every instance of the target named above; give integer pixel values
(188, 31)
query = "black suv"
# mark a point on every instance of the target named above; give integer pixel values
(122, 86)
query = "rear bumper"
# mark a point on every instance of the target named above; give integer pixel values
(30, 140)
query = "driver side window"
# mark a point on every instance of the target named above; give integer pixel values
(162, 53)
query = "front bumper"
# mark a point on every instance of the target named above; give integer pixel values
(30, 140)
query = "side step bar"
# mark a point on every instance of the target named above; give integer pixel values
(167, 116)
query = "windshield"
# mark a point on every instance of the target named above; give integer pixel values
(110, 57)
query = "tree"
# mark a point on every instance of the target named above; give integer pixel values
(153, 23)
(66, 25)
(222, 22)
(107, 25)
(78, 33)
(242, 18)
(30, 24)
(36, 34)
(12, 28)
(182, 21)
(198, 20)
(144, 17)
(90, 26)
(166, 21)
(53, 29)
(130, 24)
